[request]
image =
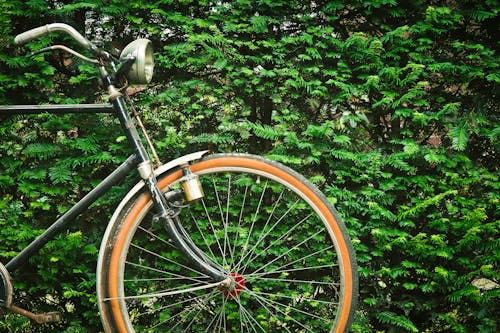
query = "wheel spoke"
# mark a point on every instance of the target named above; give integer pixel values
(250, 318)
(212, 226)
(312, 282)
(196, 224)
(186, 311)
(245, 246)
(288, 251)
(264, 235)
(296, 261)
(155, 236)
(178, 303)
(274, 295)
(277, 305)
(221, 213)
(166, 259)
(275, 242)
(152, 269)
(253, 275)
(170, 292)
(240, 218)
(263, 302)
(226, 223)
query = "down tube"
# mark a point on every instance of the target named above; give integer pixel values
(61, 223)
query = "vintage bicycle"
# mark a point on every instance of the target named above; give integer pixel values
(197, 245)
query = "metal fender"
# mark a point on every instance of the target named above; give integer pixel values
(162, 169)
(180, 161)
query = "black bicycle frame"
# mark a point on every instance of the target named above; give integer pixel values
(139, 160)
(56, 109)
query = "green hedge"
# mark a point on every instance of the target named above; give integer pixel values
(390, 107)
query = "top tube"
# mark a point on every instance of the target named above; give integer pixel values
(56, 109)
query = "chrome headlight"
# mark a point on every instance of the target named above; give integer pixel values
(141, 71)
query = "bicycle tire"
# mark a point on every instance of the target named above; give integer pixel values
(266, 226)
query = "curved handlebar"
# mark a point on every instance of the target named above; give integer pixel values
(29, 35)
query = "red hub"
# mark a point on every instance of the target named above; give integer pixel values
(236, 286)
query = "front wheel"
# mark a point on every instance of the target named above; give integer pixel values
(271, 231)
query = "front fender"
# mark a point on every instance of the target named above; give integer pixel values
(180, 161)
(159, 171)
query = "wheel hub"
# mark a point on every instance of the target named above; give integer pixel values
(234, 287)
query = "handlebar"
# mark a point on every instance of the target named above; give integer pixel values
(29, 35)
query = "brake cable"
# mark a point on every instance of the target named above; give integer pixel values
(156, 158)
(66, 49)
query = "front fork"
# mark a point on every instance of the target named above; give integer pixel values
(167, 216)
(164, 213)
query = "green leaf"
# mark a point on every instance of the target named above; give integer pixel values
(415, 210)
(59, 174)
(459, 136)
(387, 317)
(259, 24)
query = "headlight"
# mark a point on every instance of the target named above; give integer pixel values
(141, 71)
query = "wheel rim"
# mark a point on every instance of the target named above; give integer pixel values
(263, 252)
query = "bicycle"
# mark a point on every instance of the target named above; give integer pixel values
(204, 242)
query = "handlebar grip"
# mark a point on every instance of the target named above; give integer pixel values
(29, 35)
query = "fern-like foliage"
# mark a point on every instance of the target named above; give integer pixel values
(411, 212)
(265, 131)
(60, 174)
(215, 138)
(42, 151)
(459, 136)
(390, 318)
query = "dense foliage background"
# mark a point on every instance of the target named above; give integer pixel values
(391, 107)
